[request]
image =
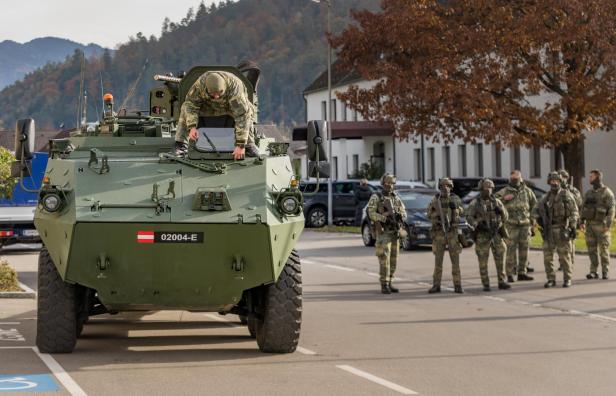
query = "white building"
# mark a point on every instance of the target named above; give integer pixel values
(356, 141)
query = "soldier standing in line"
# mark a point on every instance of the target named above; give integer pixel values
(557, 215)
(362, 194)
(487, 215)
(444, 212)
(519, 200)
(387, 212)
(218, 93)
(597, 217)
(577, 196)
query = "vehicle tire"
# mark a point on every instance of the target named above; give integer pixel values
(56, 328)
(467, 243)
(406, 243)
(366, 235)
(243, 320)
(317, 217)
(252, 327)
(278, 330)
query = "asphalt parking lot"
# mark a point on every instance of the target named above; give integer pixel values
(355, 341)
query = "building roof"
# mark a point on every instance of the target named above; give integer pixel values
(41, 142)
(351, 130)
(340, 76)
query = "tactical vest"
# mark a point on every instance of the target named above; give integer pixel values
(517, 205)
(596, 206)
(380, 208)
(556, 208)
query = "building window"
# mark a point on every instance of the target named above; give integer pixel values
(334, 117)
(446, 161)
(343, 108)
(463, 171)
(417, 164)
(324, 110)
(498, 160)
(432, 164)
(335, 166)
(479, 159)
(355, 163)
(354, 115)
(535, 162)
(516, 163)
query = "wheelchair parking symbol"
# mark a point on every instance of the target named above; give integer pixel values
(28, 383)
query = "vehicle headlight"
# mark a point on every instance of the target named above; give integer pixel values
(289, 205)
(52, 202)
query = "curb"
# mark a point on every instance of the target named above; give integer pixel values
(26, 293)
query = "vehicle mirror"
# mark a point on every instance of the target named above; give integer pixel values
(316, 136)
(24, 139)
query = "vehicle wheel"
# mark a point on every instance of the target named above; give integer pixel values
(467, 243)
(405, 242)
(252, 327)
(82, 299)
(243, 319)
(278, 330)
(56, 328)
(366, 235)
(317, 217)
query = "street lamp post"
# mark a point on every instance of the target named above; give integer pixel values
(330, 200)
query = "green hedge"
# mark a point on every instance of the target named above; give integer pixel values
(580, 242)
(8, 278)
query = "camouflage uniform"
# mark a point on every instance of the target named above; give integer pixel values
(452, 209)
(387, 234)
(488, 216)
(233, 102)
(577, 197)
(519, 202)
(598, 215)
(557, 215)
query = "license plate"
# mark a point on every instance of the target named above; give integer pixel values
(422, 236)
(30, 233)
(169, 237)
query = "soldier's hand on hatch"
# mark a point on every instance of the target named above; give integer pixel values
(238, 153)
(193, 134)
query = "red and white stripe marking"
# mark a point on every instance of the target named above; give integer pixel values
(145, 236)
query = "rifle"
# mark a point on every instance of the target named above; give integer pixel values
(445, 224)
(546, 220)
(394, 220)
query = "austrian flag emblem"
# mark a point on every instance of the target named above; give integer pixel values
(145, 236)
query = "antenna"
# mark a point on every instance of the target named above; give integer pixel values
(132, 88)
(100, 73)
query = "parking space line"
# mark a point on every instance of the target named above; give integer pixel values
(9, 323)
(372, 274)
(61, 375)
(16, 347)
(338, 267)
(305, 351)
(219, 318)
(377, 380)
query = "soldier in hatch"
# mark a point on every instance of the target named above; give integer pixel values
(218, 93)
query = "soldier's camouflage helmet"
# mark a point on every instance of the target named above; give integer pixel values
(554, 176)
(215, 83)
(563, 174)
(445, 181)
(388, 177)
(485, 183)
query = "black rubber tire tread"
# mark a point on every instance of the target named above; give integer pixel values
(278, 331)
(56, 328)
(252, 327)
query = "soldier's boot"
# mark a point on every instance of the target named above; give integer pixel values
(393, 289)
(592, 275)
(504, 286)
(458, 289)
(385, 288)
(252, 150)
(180, 149)
(549, 284)
(605, 276)
(486, 287)
(524, 277)
(529, 268)
(435, 289)
(510, 278)
(560, 268)
(567, 283)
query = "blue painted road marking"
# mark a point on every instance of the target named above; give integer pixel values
(28, 383)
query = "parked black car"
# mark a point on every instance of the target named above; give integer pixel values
(315, 205)
(417, 223)
(466, 187)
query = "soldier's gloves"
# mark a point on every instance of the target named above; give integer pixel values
(452, 206)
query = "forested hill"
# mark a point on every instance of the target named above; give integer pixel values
(18, 59)
(285, 37)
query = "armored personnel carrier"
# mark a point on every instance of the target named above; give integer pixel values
(127, 225)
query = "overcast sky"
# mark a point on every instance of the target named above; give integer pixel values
(104, 22)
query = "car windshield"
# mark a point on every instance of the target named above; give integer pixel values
(222, 138)
(416, 201)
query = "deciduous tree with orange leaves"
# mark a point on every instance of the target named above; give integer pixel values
(526, 72)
